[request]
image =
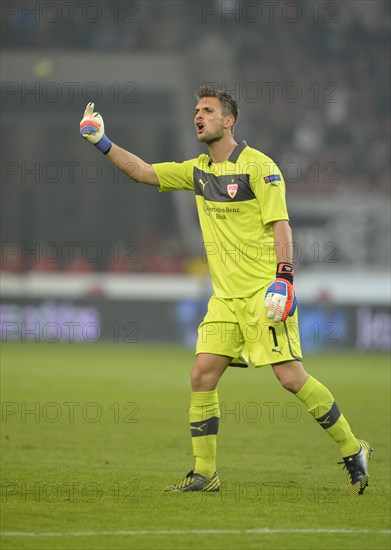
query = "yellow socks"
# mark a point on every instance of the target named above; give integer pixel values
(320, 403)
(204, 417)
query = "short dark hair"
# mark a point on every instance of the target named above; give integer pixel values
(229, 104)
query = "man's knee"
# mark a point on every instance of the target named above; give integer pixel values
(291, 375)
(207, 370)
(198, 373)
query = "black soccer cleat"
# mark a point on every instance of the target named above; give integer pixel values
(195, 482)
(357, 469)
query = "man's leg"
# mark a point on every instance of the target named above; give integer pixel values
(219, 340)
(321, 405)
(319, 402)
(204, 410)
(204, 414)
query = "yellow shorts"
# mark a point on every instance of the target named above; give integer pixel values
(239, 328)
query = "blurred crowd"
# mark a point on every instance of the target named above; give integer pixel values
(149, 253)
(318, 105)
(312, 84)
(333, 121)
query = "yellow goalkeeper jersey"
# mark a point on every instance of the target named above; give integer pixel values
(237, 200)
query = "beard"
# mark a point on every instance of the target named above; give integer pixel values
(211, 138)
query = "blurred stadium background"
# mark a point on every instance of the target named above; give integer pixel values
(87, 255)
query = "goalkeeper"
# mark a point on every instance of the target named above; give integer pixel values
(252, 315)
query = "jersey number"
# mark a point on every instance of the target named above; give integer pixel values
(273, 331)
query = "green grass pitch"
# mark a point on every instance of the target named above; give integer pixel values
(91, 434)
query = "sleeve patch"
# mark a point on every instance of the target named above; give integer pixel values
(273, 177)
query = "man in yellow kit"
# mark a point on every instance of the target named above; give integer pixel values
(252, 315)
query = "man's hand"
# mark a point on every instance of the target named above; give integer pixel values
(92, 129)
(280, 299)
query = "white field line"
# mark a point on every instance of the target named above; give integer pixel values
(264, 531)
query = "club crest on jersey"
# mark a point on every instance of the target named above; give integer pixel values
(232, 189)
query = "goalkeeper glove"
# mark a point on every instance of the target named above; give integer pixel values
(280, 298)
(92, 129)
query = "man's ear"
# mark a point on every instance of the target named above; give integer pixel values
(230, 122)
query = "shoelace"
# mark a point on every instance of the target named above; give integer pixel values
(352, 467)
(184, 482)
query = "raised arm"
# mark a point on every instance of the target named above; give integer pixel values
(132, 166)
(93, 130)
